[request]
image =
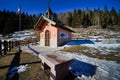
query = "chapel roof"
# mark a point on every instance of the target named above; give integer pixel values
(43, 18)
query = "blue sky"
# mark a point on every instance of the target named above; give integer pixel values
(40, 6)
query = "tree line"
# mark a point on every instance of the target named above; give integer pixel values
(110, 19)
(9, 21)
(84, 18)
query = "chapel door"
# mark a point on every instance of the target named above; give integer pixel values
(47, 38)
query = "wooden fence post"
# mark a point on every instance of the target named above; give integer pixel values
(12, 44)
(0, 47)
(5, 47)
(16, 43)
(9, 45)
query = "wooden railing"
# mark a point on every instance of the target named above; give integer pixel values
(6, 46)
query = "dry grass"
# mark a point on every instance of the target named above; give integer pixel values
(94, 31)
(34, 72)
(80, 50)
(5, 61)
(76, 49)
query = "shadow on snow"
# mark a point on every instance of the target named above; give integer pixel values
(36, 52)
(79, 68)
(12, 72)
(79, 42)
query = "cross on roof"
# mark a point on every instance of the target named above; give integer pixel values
(48, 3)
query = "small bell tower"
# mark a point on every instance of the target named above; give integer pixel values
(49, 12)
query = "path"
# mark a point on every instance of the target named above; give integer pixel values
(79, 66)
(51, 60)
(36, 49)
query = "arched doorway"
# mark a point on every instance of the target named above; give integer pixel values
(47, 38)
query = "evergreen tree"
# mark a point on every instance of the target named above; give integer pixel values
(105, 17)
(9, 21)
(96, 17)
(118, 19)
(74, 21)
(55, 17)
(69, 20)
(79, 15)
(113, 17)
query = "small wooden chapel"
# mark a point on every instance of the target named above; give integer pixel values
(52, 33)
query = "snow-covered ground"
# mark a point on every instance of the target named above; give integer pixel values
(104, 46)
(103, 69)
(113, 42)
(95, 68)
(21, 35)
(16, 69)
(86, 67)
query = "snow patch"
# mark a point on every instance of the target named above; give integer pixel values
(104, 69)
(22, 68)
(78, 42)
(15, 70)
